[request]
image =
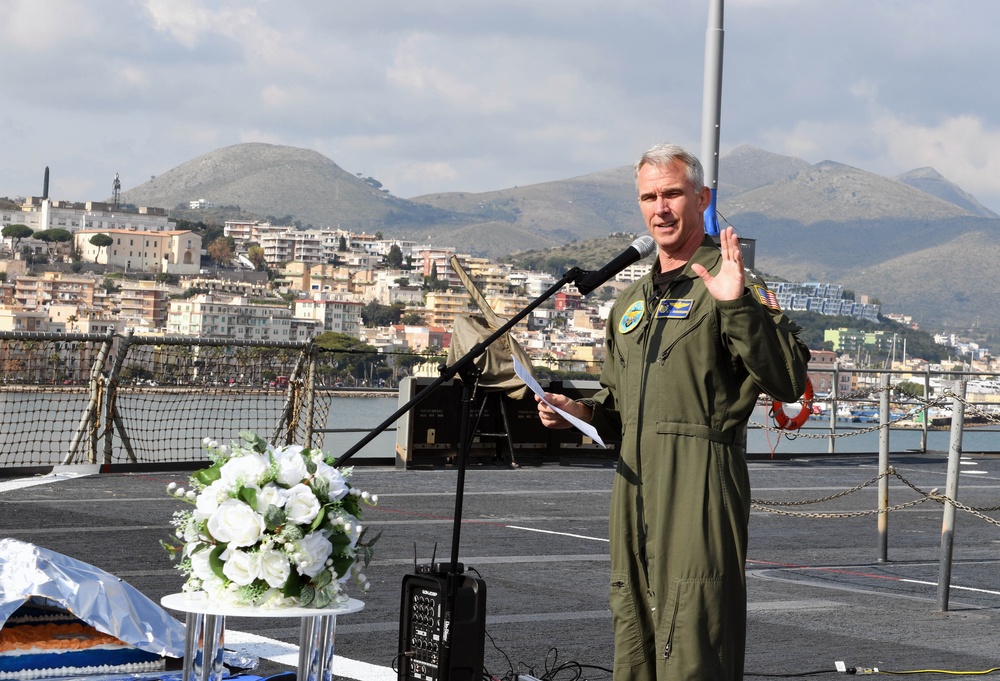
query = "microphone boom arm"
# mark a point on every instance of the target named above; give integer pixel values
(448, 371)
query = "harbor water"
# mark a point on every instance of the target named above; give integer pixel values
(351, 418)
(363, 412)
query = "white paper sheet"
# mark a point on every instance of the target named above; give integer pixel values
(530, 381)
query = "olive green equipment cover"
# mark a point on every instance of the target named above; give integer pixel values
(496, 362)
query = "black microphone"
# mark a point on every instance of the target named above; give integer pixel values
(638, 250)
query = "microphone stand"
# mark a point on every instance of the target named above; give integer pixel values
(470, 375)
(447, 372)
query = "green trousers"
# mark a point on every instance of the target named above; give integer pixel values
(678, 533)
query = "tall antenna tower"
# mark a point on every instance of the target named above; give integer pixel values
(116, 191)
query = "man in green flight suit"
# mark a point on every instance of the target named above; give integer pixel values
(689, 348)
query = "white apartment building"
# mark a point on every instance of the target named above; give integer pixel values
(247, 232)
(42, 214)
(211, 316)
(337, 315)
(634, 272)
(172, 252)
(310, 246)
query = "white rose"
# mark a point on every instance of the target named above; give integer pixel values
(209, 500)
(291, 466)
(311, 553)
(236, 523)
(200, 566)
(301, 505)
(248, 470)
(274, 568)
(242, 567)
(338, 486)
(214, 586)
(270, 495)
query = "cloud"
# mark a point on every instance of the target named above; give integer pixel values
(31, 25)
(962, 148)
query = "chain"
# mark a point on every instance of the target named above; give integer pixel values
(829, 498)
(932, 495)
(924, 408)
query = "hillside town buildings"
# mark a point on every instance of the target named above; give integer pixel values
(148, 276)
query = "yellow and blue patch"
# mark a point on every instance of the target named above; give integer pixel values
(674, 308)
(633, 315)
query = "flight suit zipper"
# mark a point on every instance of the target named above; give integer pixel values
(663, 355)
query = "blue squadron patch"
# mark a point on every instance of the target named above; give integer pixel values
(632, 316)
(676, 308)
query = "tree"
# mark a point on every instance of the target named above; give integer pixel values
(102, 241)
(50, 236)
(256, 255)
(342, 244)
(432, 283)
(54, 236)
(411, 319)
(377, 314)
(349, 354)
(221, 250)
(15, 232)
(394, 258)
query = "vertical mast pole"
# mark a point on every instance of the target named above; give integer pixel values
(711, 110)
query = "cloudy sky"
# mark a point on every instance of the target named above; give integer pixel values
(469, 95)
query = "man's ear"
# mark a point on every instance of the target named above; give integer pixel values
(704, 198)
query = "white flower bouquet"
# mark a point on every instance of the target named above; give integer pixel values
(271, 526)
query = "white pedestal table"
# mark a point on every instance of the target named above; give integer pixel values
(206, 625)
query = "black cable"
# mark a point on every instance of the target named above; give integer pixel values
(510, 666)
(793, 675)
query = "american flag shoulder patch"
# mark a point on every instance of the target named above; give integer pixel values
(766, 297)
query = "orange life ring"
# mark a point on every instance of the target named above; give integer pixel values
(782, 420)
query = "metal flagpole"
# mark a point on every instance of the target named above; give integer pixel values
(711, 110)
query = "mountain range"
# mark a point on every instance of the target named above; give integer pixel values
(917, 242)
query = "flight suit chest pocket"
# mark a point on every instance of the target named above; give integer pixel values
(671, 335)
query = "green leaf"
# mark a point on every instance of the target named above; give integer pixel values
(207, 476)
(352, 505)
(249, 495)
(321, 488)
(368, 552)
(215, 562)
(340, 542)
(307, 596)
(322, 600)
(318, 520)
(341, 564)
(322, 579)
(293, 585)
(256, 442)
(310, 465)
(274, 517)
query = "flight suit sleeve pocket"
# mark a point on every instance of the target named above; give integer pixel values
(629, 650)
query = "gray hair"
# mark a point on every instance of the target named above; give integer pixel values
(663, 154)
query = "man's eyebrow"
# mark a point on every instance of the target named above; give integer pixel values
(666, 191)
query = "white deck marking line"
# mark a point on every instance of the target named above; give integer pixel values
(288, 654)
(561, 534)
(953, 586)
(58, 474)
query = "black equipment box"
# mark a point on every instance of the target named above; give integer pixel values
(432, 648)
